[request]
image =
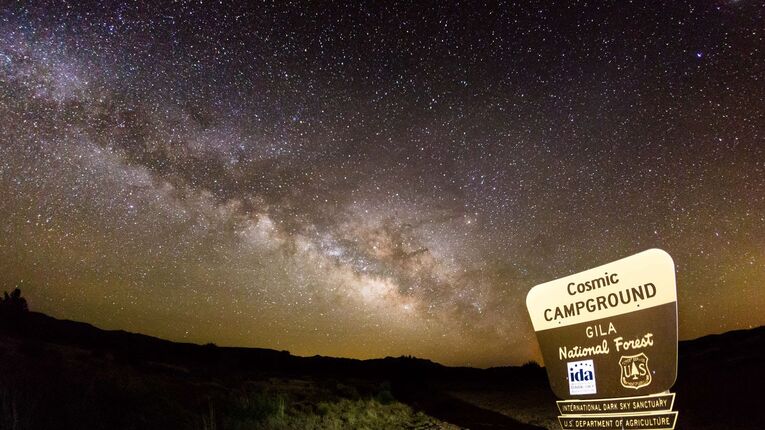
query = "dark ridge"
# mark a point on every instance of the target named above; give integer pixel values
(210, 358)
(190, 372)
(719, 375)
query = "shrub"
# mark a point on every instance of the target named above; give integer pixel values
(254, 409)
(385, 397)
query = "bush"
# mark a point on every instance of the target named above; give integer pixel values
(347, 391)
(254, 409)
(385, 397)
(531, 364)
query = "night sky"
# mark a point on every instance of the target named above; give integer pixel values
(366, 180)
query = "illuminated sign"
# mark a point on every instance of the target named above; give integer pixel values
(610, 331)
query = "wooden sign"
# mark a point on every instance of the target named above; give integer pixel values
(651, 421)
(621, 405)
(642, 412)
(610, 331)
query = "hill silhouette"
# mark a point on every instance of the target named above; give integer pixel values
(67, 368)
(79, 376)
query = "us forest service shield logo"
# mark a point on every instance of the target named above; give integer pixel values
(635, 371)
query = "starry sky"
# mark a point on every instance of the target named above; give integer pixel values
(373, 179)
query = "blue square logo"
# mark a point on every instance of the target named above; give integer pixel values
(581, 377)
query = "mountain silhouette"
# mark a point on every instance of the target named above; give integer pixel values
(65, 370)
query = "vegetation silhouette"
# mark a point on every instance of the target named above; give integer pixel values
(13, 304)
(71, 375)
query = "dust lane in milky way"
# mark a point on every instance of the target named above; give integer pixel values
(370, 180)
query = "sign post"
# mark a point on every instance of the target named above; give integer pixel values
(608, 338)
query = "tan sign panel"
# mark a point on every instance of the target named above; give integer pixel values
(619, 405)
(649, 421)
(610, 331)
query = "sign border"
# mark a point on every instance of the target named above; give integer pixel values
(675, 414)
(617, 399)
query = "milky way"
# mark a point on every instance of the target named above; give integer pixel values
(367, 180)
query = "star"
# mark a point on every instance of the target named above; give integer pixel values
(375, 180)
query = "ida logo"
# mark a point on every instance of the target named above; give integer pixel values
(635, 372)
(581, 377)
